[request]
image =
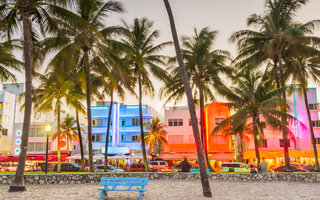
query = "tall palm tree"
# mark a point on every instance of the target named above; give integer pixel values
(192, 110)
(85, 43)
(68, 131)
(142, 53)
(276, 38)
(233, 127)
(115, 78)
(27, 13)
(254, 98)
(204, 67)
(305, 68)
(55, 86)
(156, 135)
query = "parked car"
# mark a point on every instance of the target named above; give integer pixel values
(159, 165)
(43, 167)
(234, 167)
(100, 168)
(138, 167)
(177, 167)
(68, 167)
(293, 168)
(4, 169)
(13, 168)
(309, 168)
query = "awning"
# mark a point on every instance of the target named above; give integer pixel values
(171, 156)
(115, 150)
(11, 159)
(101, 157)
(38, 158)
(221, 156)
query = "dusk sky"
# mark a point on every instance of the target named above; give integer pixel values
(225, 16)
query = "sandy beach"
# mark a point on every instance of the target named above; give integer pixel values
(174, 190)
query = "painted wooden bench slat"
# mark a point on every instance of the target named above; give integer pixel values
(125, 183)
(124, 179)
(134, 184)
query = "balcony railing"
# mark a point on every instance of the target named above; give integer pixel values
(314, 107)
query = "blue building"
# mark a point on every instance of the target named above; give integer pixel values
(124, 130)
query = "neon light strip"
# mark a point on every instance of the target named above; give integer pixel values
(206, 129)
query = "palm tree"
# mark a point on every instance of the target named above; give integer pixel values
(255, 99)
(305, 68)
(80, 41)
(26, 13)
(238, 129)
(156, 135)
(192, 110)
(275, 40)
(68, 131)
(56, 86)
(142, 53)
(115, 78)
(204, 66)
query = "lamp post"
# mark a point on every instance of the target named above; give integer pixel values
(48, 129)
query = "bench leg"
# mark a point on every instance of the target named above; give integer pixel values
(140, 195)
(103, 194)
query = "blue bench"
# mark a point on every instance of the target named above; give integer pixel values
(135, 184)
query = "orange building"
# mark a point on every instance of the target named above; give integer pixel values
(180, 135)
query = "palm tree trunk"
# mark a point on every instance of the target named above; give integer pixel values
(284, 119)
(241, 147)
(80, 142)
(313, 140)
(59, 149)
(255, 136)
(18, 182)
(143, 143)
(86, 57)
(192, 110)
(203, 137)
(108, 130)
(275, 62)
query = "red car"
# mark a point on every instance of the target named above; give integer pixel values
(292, 168)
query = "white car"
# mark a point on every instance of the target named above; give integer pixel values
(100, 168)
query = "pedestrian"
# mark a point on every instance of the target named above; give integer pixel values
(252, 169)
(263, 166)
(185, 166)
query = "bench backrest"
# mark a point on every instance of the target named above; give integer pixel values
(124, 181)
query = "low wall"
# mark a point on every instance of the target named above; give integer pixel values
(78, 178)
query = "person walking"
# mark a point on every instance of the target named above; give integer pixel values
(263, 166)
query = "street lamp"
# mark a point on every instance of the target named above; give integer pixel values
(48, 129)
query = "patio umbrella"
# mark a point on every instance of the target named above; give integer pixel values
(55, 159)
(12, 159)
(221, 156)
(171, 156)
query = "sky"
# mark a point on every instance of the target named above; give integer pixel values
(225, 16)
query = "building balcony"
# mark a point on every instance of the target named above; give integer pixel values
(315, 107)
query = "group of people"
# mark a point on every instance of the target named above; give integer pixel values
(262, 167)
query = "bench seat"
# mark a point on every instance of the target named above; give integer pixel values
(134, 184)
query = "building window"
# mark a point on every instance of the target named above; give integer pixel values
(282, 144)
(217, 120)
(5, 132)
(317, 140)
(0, 105)
(175, 122)
(313, 106)
(38, 146)
(74, 147)
(175, 139)
(263, 143)
(123, 122)
(6, 106)
(37, 132)
(316, 123)
(96, 137)
(136, 121)
(134, 138)
(198, 121)
(122, 138)
(97, 122)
